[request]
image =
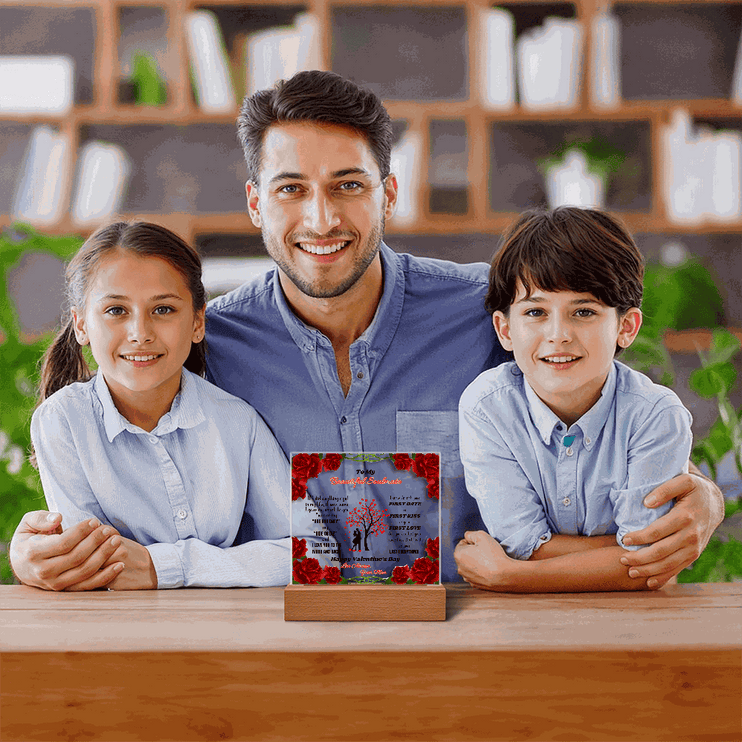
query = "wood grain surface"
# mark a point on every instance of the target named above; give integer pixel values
(223, 665)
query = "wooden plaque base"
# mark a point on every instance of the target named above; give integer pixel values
(364, 603)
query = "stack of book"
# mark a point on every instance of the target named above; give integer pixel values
(702, 172)
(549, 59)
(41, 196)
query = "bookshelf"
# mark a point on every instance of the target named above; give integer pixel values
(422, 57)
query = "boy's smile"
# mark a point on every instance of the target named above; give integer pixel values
(564, 343)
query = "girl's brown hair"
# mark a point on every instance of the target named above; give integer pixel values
(63, 363)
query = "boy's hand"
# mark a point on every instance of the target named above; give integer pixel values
(42, 556)
(481, 561)
(677, 538)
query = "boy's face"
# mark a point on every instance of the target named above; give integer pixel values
(564, 343)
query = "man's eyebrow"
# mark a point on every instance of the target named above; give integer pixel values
(287, 176)
(337, 174)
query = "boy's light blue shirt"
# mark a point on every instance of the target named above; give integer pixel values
(529, 485)
(181, 490)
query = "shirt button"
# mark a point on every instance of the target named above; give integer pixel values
(153, 439)
(343, 419)
(587, 440)
(359, 375)
(566, 501)
(569, 451)
(182, 514)
(544, 537)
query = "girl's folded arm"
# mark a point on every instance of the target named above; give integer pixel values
(261, 562)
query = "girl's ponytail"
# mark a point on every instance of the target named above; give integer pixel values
(63, 363)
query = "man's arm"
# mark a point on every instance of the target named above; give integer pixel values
(42, 556)
(482, 562)
(677, 538)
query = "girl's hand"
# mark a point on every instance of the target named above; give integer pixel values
(139, 571)
(42, 556)
(482, 562)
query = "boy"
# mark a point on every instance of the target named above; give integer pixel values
(561, 446)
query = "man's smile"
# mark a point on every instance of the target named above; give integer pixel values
(323, 248)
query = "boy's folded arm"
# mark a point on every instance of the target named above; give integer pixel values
(561, 544)
(483, 563)
(510, 506)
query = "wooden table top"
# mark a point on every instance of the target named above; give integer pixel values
(704, 616)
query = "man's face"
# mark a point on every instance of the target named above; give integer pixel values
(321, 205)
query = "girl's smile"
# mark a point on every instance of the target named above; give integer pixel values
(140, 322)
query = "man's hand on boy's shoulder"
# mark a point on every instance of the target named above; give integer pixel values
(677, 538)
(41, 555)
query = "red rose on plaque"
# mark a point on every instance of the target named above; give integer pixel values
(424, 572)
(434, 489)
(298, 489)
(402, 461)
(431, 547)
(306, 466)
(332, 574)
(400, 575)
(308, 571)
(426, 465)
(332, 461)
(299, 547)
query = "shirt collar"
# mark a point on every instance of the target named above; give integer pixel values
(591, 423)
(378, 335)
(185, 412)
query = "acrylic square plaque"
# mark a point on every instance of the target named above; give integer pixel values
(365, 533)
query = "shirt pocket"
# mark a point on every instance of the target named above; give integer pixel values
(431, 432)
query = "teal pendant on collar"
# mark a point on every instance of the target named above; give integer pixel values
(568, 440)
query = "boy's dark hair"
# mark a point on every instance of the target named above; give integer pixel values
(63, 363)
(567, 249)
(314, 96)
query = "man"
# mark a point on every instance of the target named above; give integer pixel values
(347, 346)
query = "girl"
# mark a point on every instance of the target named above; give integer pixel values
(147, 445)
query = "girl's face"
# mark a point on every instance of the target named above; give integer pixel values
(140, 323)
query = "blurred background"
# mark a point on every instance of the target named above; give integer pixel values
(127, 109)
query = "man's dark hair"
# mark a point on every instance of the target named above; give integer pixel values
(314, 96)
(567, 249)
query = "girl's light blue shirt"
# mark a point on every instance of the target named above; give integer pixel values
(529, 484)
(181, 490)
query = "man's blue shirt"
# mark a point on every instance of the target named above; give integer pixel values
(430, 337)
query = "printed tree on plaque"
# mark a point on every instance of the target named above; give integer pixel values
(365, 520)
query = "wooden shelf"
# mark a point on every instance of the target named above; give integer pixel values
(417, 114)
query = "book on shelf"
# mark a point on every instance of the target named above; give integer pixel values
(736, 93)
(41, 191)
(702, 171)
(605, 65)
(103, 173)
(497, 52)
(405, 164)
(209, 64)
(549, 64)
(279, 53)
(36, 84)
